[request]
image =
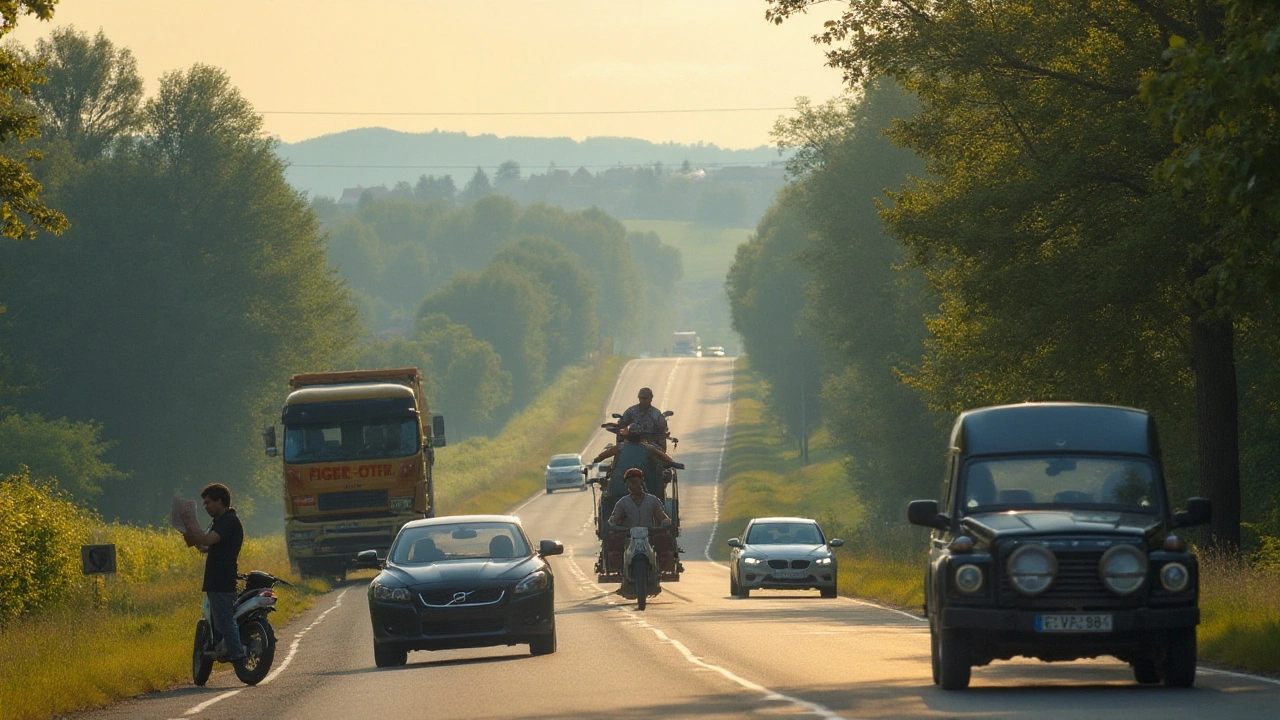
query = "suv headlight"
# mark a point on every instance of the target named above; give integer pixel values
(539, 580)
(969, 578)
(1174, 577)
(1123, 569)
(1032, 569)
(392, 594)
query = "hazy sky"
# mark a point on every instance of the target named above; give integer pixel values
(495, 56)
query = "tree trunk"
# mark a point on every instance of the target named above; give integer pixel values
(1218, 432)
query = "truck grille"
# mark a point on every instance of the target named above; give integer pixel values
(351, 500)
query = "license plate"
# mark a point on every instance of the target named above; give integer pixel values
(1073, 623)
(788, 574)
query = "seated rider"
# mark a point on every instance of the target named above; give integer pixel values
(634, 433)
(650, 419)
(638, 508)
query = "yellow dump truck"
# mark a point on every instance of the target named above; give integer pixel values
(358, 452)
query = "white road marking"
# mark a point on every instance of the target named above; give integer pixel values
(293, 649)
(715, 489)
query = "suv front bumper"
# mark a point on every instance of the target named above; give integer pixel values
(1024, 621)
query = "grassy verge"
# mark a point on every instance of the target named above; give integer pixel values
(131, 634)
(1240, 602)
(764, 476)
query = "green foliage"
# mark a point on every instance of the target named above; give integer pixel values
(20, 201)
(91, 91)
(571, 328)
(41, 531)
(69, 452)
(194, 281)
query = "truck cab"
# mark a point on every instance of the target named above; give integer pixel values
(1055, 540)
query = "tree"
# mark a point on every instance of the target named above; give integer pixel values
(1063, 268)
(19, 191)
(92, 92)
(469, 372)
(477, 187)
(571, 328)
(69, 452)
(429, 188)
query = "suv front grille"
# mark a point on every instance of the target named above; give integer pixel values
(1077, 583)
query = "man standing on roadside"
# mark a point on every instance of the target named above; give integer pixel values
(222, 544)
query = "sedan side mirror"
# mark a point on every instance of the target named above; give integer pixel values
(550, 547)
(836, 542)
(734, 542)
(1199, 512)
(368, 559)
(925, 512)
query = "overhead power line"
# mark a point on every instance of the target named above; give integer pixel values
(528, 112)
(522, 166)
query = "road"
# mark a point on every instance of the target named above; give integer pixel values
(695, 652)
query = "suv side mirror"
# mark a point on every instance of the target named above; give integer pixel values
(1199, 512)
(925, 513)
(437, 430)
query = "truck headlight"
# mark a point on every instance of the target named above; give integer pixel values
(391, 594)
(969, 578)
(1174, 577)
(1032, 569)
(539, 580)
(1123, 569)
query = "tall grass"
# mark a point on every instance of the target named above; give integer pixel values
(101, 639)
(1240, 612)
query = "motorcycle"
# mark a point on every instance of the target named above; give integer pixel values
(254, 603)
(640, 565)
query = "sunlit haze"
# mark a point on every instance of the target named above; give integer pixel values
(498, 56)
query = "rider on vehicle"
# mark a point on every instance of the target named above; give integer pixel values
(639, 508)
(222, 544)
(650, 419)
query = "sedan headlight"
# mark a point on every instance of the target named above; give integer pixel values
(969, 578)
(825, 561)
(1032, 569)
(1123, 569)
(1174, 577)
(392, 594)
(539, 580)
(751, 561)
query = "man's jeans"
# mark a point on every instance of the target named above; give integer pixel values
(224, 622)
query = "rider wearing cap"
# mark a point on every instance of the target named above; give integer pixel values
(650, 419)
(638, 508)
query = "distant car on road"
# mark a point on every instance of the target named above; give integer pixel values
(462, 581)
(565, 471)
(782, 553)
(715, 351)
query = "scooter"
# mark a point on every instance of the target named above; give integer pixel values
(255, 602)
(640, 565)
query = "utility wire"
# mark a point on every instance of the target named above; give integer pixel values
(528, 112)
(523, 167)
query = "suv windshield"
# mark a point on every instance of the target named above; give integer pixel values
(350, 440)
(1045, 482)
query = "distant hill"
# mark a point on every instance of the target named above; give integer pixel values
(370, 157)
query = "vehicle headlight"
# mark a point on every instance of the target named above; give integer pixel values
(750, 561)
(1123, 569)
(539, 580)
(1174, 577)
(1032, 569)
(392, 594)
(823, 561)
(969, 578)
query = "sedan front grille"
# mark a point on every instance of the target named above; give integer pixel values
(480, 626)
(462, 598)
(784, 564)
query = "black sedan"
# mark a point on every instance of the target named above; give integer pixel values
(461, 582)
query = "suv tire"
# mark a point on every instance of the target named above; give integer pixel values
(953, 659)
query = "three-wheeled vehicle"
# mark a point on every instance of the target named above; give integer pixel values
(662, 481)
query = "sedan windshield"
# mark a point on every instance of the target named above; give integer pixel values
(784, 533)
(1045, 482)
(341, 441)
(560, 462)
(459, 541)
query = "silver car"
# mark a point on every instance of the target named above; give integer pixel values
(565, 471)
(782, 553)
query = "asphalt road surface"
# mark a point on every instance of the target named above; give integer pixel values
(695, 652)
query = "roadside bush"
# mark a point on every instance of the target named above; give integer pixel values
(41, 532)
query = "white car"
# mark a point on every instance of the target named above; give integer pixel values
(782, 553)
(565, 471)
(715, 351)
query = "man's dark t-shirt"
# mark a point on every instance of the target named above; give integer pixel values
(220, 565)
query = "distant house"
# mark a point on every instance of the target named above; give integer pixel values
(351, 196)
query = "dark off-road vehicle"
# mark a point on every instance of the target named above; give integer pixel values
(1056, 541)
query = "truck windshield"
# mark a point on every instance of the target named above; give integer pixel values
(351, 440)
(1045, 482)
